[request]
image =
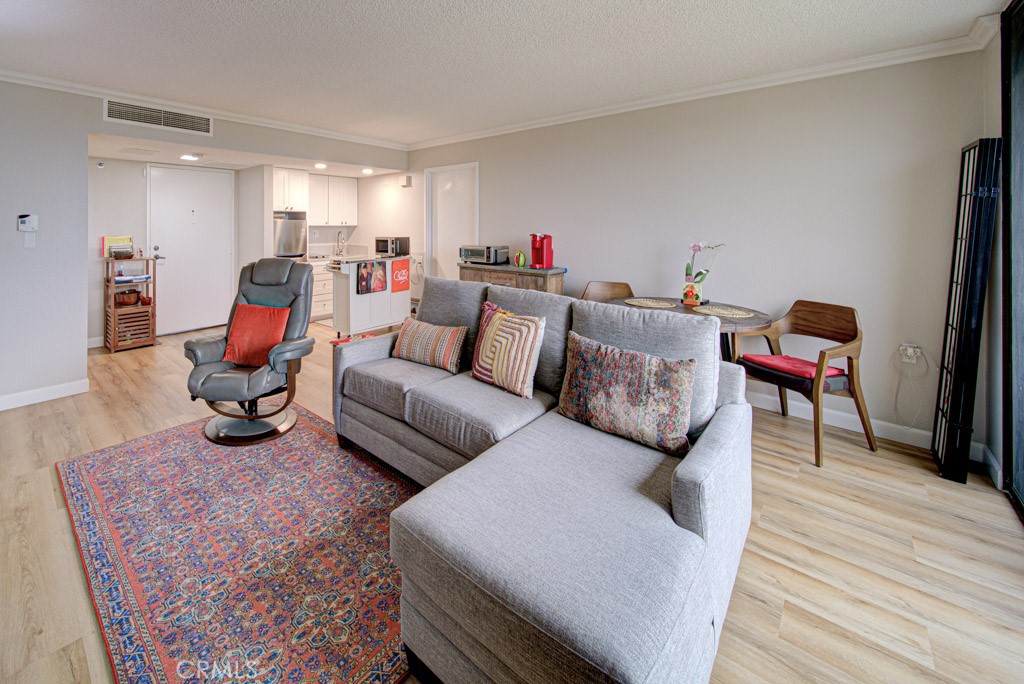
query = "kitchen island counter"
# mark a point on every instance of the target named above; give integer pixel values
(357, 310)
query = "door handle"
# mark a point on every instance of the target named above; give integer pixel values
(158, 257)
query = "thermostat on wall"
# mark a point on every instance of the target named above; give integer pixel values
(28, 223)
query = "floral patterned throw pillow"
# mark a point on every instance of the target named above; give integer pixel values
(641, 397)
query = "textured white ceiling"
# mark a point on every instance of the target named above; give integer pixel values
(409, 71)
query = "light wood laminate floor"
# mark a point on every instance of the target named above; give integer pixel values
(869, 569)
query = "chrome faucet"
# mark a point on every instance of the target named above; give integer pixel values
(339, 242)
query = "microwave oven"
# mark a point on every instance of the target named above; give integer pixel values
(484, 254)
(391, 246)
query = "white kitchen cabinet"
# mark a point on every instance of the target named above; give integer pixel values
(323, 292)
(342, 201)
(317, 215)
(333, 201)
(280, 189)
(291, 190)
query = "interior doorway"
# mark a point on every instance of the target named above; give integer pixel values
(192, 234)
(452, 197)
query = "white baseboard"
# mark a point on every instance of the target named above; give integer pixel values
(897, 433)
(981, 452)
(40, 394)
(841, 419)
(95, 342)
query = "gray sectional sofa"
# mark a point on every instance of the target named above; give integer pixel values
(544, 550)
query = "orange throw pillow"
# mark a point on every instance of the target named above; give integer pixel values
(255, 330)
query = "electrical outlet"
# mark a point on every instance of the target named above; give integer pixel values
(909, 353)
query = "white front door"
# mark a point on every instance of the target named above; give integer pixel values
(192, 231)
(452, 216)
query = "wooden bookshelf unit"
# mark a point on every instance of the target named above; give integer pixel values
(129, 325)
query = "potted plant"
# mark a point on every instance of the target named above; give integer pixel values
(692, 294)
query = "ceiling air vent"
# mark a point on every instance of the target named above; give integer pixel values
(157, 118)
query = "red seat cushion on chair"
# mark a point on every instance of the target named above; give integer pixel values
(790, 364)
(255, 330)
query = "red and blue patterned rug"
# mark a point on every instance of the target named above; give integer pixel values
(266, 563)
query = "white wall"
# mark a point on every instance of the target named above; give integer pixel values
(117, 206)
(254, 212)
(43, 308)
(839, 189)
(388, 209)
(44, 170)
(988, 423)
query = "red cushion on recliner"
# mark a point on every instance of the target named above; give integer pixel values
(790, 364)
(255, 330)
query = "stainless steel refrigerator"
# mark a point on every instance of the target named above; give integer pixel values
(290, 234)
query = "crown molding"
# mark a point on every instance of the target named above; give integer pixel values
(981, 34)
(96, 91)
(984, 30)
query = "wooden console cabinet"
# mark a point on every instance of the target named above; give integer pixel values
(544, 279)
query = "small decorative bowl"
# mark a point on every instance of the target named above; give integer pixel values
(144, 300)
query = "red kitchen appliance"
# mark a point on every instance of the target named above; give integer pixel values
(543, 255)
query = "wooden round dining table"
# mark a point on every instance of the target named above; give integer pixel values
(734, 318)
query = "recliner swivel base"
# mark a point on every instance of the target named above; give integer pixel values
(229, 431)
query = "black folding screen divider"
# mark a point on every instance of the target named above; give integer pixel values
(1012, 35)
(972, 250)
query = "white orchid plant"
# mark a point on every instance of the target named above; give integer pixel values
(695, 249)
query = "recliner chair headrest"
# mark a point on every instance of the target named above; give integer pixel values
(271, 271)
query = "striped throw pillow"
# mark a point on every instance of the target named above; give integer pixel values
(507, 350)
(432, 345)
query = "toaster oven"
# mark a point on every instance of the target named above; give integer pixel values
(484, 254)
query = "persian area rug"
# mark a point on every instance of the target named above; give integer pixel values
(266, 563)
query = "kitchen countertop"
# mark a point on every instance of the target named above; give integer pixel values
(365, 257)
(514, 269)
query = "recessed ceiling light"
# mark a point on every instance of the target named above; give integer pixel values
(367, 171)
(190, 157)
(320, 165)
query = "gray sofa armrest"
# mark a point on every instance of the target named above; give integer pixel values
(209, 349)
(732, 384)
(289, 350)
(353, 353)
(711, 496)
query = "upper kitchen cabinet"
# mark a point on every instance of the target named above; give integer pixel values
(342, 201)
(333, 201)
(291, 190)
(317, 214)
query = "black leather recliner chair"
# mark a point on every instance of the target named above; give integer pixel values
(268, 282)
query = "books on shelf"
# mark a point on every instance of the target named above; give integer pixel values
(115, 245)
(126, 279)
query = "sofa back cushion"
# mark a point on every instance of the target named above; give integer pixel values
(556, 311)
(661, 333)
(454, 303)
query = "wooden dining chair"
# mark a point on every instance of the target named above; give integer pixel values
(813, 380)
(605, 291)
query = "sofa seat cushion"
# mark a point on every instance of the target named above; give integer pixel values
(557, 550)
(469, 416)
(383, 384)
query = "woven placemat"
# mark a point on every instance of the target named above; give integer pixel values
(650, 303)
(719, 310)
